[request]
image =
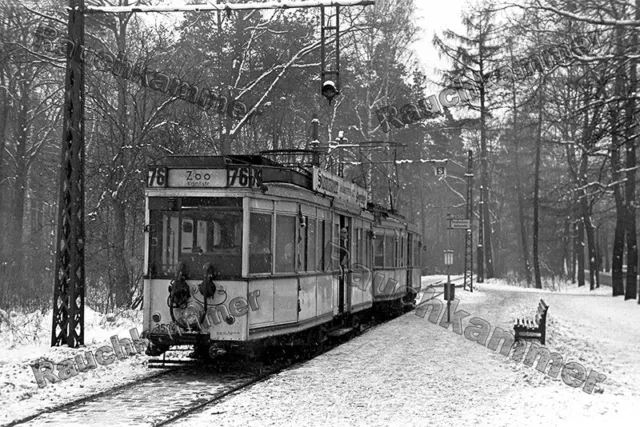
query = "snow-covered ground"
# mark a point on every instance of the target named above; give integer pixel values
(406, 372)
(28, 340)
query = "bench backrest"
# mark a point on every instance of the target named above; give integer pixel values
(542, 312)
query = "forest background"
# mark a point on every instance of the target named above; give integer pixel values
(554, 154)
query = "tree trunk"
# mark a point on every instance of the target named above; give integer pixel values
(586, 219)
(122, 286)
(579, 249)
(484, 178)
(521, 204)
(591, 247)
(4, 247)
(20, 189)
(566, 249)
(536, 197)
(617, 281)
(606, 262)
(631, 288)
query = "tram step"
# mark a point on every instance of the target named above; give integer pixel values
(339, 332)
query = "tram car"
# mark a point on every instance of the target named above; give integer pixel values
(241, 250)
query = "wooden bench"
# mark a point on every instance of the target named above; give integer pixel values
(533, 329)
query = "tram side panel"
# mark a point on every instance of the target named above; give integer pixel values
(307, 297)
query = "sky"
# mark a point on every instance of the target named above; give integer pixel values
(432, 17)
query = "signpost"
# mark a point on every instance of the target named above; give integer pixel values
(459, 223)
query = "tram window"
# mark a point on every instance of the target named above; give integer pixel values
(367, 248)
(328, 247)
(212, 235)
(165, 238)
(195, 237)
(378, 251)
(311, 245)
(389, 247)
(320, 245)
(358, 248)
(285, 239)
(301, 249)
(260, 257)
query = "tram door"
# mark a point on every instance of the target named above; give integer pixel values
(344, 260)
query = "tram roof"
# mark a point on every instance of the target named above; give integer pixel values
(279, 172)
(217, 161)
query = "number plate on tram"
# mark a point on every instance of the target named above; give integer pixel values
(244, 176)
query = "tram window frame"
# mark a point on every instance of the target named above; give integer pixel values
(269, 259)
(378, 250)
(282, 267)
(389, 246)
(320, 245)
(328, 246)
(368, 248)
(301, 245)
(359, 249)
(335, 247)
(311, 260)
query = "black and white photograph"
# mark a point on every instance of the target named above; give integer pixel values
(319, 213)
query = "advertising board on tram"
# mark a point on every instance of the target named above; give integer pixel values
(332, 185)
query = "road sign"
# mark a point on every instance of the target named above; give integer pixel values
(441, 171)
(460, 223)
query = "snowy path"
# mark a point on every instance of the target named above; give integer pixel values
(412, 372)
(406, 372)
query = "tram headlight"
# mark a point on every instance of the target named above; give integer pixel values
(156, 317)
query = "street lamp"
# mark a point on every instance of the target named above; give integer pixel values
(329, 90)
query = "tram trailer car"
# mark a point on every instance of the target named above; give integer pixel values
(241, 250)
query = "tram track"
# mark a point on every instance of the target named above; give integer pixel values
(87, 399)
(152, 401)
(173, 394)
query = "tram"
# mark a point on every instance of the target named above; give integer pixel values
(241, 249)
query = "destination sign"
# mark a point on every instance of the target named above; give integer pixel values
(197, 177)
(332, 185)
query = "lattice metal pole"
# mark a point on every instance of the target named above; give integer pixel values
(68, 291)
(468, 240)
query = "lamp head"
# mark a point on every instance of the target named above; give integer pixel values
(329, 90)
